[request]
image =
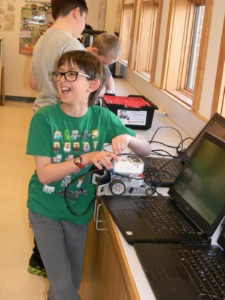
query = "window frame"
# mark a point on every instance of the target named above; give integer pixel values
(218, 104)
(145, 65)
(176, 56)
(126, 30)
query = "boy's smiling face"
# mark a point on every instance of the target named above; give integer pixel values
(70, 91)
(74, 89)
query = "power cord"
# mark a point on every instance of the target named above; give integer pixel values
(180, 150)
(151, 178)
(66, 194)
(162, 152)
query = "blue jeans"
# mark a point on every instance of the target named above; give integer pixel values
(61, 245)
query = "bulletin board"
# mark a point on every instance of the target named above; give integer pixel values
(7, 15)
(36, 18)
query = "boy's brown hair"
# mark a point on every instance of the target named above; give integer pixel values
(61, 8)
(107, 43)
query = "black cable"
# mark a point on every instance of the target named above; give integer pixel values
(66, 192)
(165, 127)
(179, 148)
(149, 181)
(166, 145)
(166, 153)
(152, 172)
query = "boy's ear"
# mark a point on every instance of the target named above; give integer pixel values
(76, 12)
(94, 51)
(94, 85)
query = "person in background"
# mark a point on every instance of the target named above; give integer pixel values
(69, 21)
(106, 47)
(66, 140)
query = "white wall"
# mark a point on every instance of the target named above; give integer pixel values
(113, 15)
(96, 14)
(16, 65)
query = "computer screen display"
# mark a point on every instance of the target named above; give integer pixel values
(201, 185)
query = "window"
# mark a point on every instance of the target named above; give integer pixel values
(195, 46)
(186, 50)
(126, 29)
(147, 38)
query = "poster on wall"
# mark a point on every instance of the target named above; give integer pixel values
(7, 15)
(36, 18)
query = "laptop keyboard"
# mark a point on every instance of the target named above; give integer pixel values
(160, 170)
(208, 272)
(159, 211)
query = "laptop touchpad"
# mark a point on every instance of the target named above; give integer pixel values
(168, 273)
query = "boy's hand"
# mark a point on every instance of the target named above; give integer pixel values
(100, 159)
(120, 143)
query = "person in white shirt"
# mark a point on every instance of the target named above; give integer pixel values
(69, 22)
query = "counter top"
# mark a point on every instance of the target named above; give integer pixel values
(166, 131)
(170, 134)
(166, 135)
(143, 287)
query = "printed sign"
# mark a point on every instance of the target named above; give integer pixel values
(132, 117)
(36, 18)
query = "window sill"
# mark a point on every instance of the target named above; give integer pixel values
(181, 97)
(146, 76)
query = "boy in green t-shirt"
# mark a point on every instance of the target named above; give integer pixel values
(66, 139)
(69, 21)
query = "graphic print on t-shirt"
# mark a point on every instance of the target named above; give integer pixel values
(66, 145)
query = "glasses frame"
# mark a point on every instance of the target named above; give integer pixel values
(60, 74)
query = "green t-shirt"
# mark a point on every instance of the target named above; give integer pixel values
(54, 134)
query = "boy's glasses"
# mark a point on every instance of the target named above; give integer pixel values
(69, 75)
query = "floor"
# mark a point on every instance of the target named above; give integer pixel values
(16, 238)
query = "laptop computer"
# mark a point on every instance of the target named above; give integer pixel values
(186, 272)
(192, 211)
(162, 171)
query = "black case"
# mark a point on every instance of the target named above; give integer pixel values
(135, 116)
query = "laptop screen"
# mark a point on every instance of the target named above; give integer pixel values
(215, 126)
(200, 190)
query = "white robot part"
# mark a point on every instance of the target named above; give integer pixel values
(129, 166)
